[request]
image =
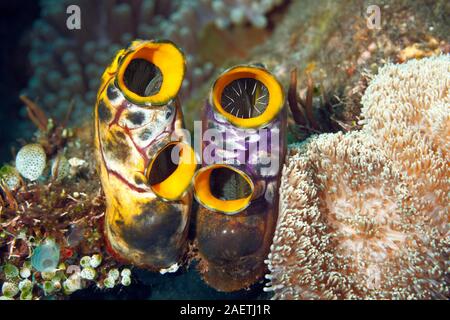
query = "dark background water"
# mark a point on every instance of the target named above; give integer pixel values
(16, 18)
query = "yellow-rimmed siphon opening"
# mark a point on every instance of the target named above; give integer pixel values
(223, 188)
(247, 96)
(151, 73)
(171, 170)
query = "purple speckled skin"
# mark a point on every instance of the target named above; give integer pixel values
(232, 247)
(258, 152)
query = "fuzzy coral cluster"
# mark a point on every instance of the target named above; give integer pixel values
(231, 12)
(365, 215)
(407, 108)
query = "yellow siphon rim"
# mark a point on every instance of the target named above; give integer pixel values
(276, 98)
(167, 57)
(203, 194)
(174, 186)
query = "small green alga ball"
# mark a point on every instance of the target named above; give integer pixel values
(114, 274)
(10, 176)
(95, 261)
(126, 272)
(10, 271)
(26, 295)
(48, 287)
(25, 285)
(109, 283)
(25, 273)
(67, 287)
(88, 273)
(85, 261)
(126, 281)
(31, 161)
(10, 289)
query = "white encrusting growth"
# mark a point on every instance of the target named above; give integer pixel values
(365, 215)
(172, 269)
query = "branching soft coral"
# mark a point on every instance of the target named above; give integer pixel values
(407, 108)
